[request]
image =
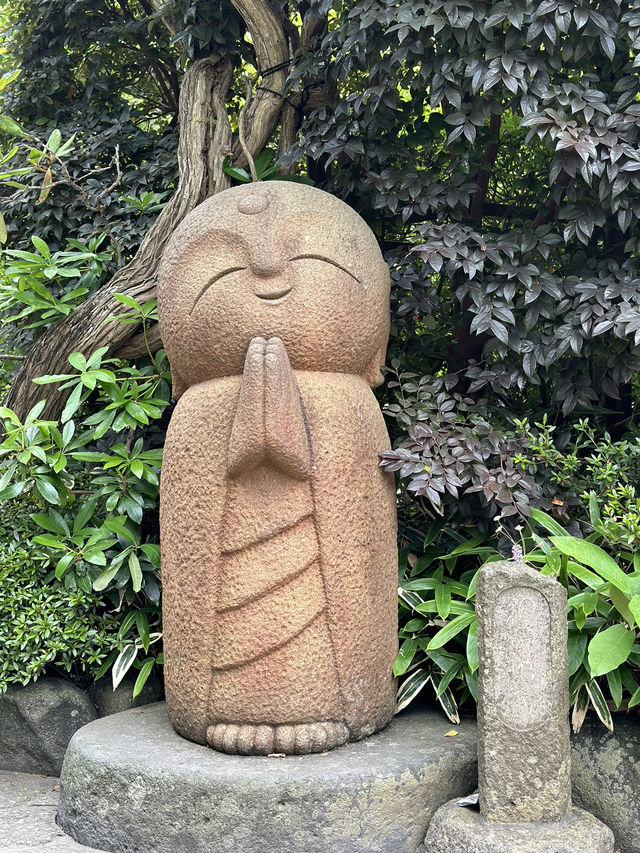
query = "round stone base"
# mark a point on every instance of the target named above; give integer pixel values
(131, 784)
(457, 829)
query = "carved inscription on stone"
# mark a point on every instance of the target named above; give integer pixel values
(522, 685)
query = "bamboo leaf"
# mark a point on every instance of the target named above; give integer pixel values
(410, 688)
(594, 557)
(123, 664)
(599, 703)
(451, 629)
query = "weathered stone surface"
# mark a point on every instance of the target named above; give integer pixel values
(463, 830)
(110, 701)
(523, 700)
(605, 770)
(277, 523)
(524, 763)
(28, 805)
(37, 722)
(130, 783)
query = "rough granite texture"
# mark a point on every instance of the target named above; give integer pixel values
(130, 783)
(463, 830)
(278, 526)
(523, 699)
(605, 771)
(37, 722)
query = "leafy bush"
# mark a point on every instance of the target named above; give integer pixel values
(103, 98)
(44, 624)
(94, 477)
(439, 630)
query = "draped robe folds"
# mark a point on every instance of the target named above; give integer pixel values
(278, 548)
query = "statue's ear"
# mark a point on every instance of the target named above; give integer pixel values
(373, 375)
(178, 385)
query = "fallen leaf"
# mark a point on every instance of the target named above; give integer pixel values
(471, 800)
(451, 733)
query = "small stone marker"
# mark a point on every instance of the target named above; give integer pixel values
(524, 767)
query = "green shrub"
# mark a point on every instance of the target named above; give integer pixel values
(88, 484)
(43, 624)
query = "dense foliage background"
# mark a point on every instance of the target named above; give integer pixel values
(494, 149)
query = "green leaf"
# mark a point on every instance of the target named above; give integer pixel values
(576, 647)
(77, 360)
(594, 511)
(472, 646)
(136, 573)
(609, 648)
(95, 556)
(85, 513)
(451, 630)
(3, 230)
(152, 553)
(127, 300)
(549, 524)
(141, 680)
(614, 681)
(127, 622)
(41, 247)
(72, 404)
(48, 492)
(410, 688)
(449, 705)
(10, 127)
(104, 578)
(123, 664)
(621, 603)
(443, 600)
(53, 143)
(49, 541)
(634, 609)
(599, 703)
(118, 525)
(104, 666)
(236, 172)
(594, 557)
(448, 677)
(405, 656)
(52, 522)
(142, 624)
(63, 564)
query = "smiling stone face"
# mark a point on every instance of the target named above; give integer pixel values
(276, 259)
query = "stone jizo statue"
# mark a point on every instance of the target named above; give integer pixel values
(277, 525)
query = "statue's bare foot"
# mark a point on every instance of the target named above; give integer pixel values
(299, 739)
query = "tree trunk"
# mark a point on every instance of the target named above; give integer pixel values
(202, 100)
(205, 140)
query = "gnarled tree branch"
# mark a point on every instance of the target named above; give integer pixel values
(205, 140)
(202, 99)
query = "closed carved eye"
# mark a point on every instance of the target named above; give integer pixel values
(212, 281)
(326, 261)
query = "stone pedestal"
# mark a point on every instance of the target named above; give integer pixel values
(460, 830)
(130, 783)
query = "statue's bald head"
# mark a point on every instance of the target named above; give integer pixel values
(273, 259)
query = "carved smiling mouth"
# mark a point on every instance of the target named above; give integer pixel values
(277, 296)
